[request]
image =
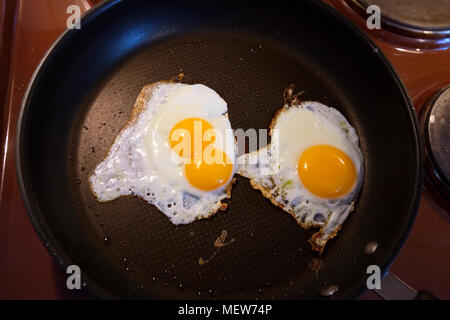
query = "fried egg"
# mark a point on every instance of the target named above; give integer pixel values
(313, 168)
(177, 152)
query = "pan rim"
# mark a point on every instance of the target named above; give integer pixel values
(63, 260)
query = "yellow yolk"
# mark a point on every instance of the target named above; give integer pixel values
(208, 176)
(190, 131)
(326, 171)
(210, 171)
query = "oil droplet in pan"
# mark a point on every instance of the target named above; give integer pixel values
(371, 247)
(107, 241)
(213, 293)
(329, 291)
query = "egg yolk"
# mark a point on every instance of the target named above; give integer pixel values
(188, 135)
(208, 176)
(213, 168)
(326, 171)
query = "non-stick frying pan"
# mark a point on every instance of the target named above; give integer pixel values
(82, 94)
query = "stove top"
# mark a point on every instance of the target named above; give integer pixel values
(422, 16)
(29, 28)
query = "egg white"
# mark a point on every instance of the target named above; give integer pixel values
(273, 169)
(141, 162)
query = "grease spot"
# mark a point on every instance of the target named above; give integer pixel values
(371, 247)
(219, 243)
(315, 265)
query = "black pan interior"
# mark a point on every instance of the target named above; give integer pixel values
(83, 93)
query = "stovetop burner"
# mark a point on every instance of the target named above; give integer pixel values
(416, 18)
(436, 125)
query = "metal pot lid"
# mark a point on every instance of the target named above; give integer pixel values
(417, 18)
(436, 124)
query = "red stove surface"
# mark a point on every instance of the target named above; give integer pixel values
(27, 271)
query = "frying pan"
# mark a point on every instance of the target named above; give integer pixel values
(82, 94)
